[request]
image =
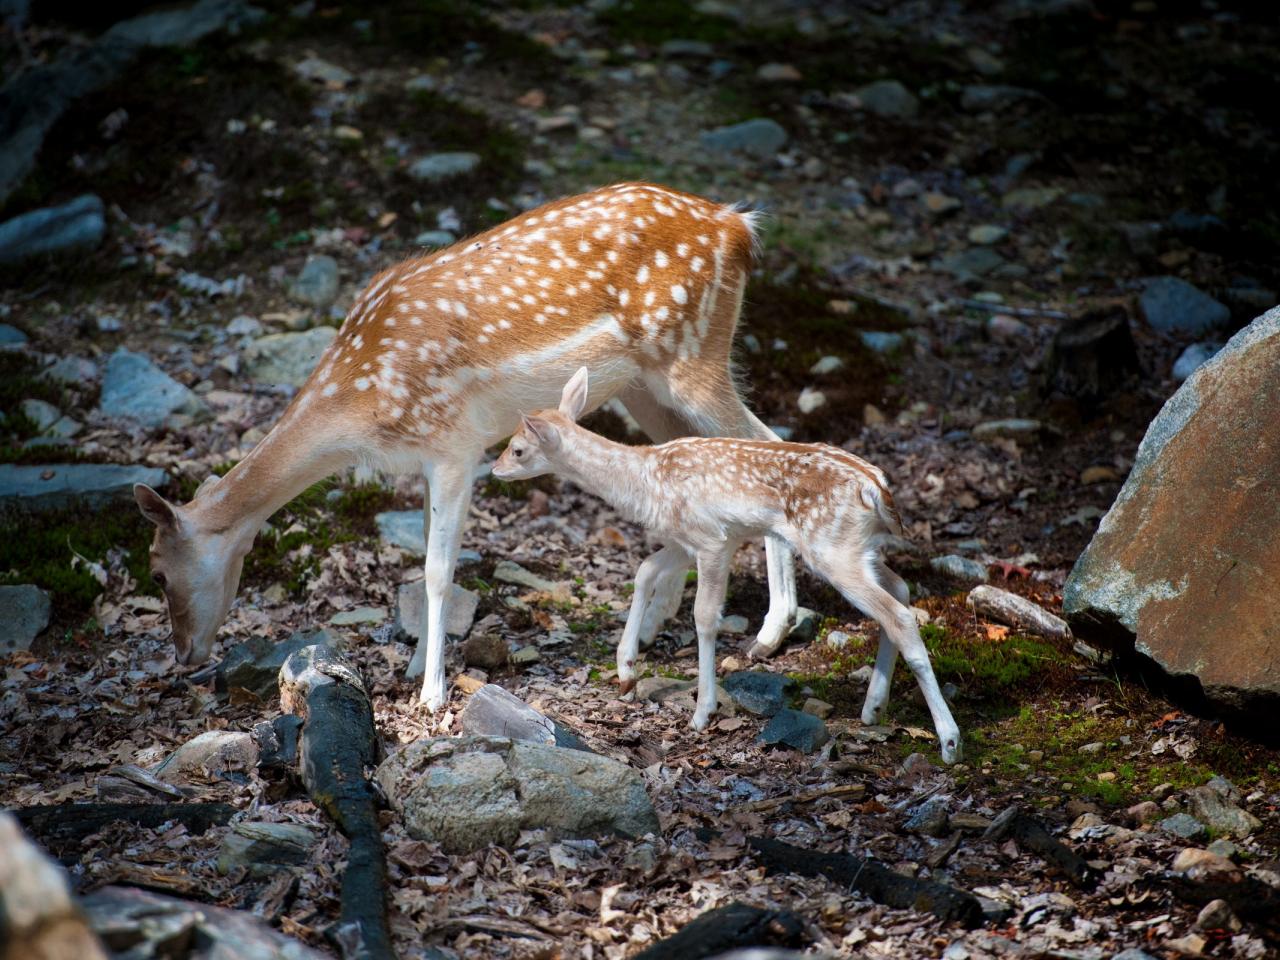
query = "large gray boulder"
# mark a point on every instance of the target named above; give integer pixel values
(59, 485)
(134, 388)
(1183, 566)
(467, 792)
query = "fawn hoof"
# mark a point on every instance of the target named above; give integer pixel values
(952, 750)
(432, 699)
(871, 716)
(768, 640)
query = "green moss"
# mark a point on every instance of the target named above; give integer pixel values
(993, 667)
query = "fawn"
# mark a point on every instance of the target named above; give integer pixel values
(439, 354)
(703, 496)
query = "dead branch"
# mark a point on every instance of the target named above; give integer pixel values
(1031, 836)
(728, 928)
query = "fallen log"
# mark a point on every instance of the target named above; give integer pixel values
(61, 823)
(1018, 612)
(728, 928)
(1027, 832)
(338, 744)
(871, 879)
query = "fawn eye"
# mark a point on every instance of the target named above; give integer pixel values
(158, 577)
(518, 452)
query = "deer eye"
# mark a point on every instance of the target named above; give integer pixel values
(518, 451)
(158, 577)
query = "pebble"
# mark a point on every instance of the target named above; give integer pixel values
(317, 283)
(758, 691)
(810, 400)
(985, 62)
(526, 655)
(929, 819)
(1095, 747)
(882, 342)
(759, 137)
(687, 48)
(985, 234)
(11, 336)
(1193, 358)
(1005, 328)
(78, 225)
(961, 568)
(1218, 915)
(1201, 863)
(940, 204)
(1030, 198)
(1014, 428)
(1224, 848)
(971, 263)
(41, 413)
(438, 167)
(360, 615)
(135, 388)
(837, 639)
(1171, 305)
(1098, 474)
(1035, 756)
(1183, 825)
(825, 365)
(819, 708)
(244, 326)
(434, 238)
(24, 611)
(872, 416)
(322, 71)
(981, 97)
(778, 73)
(1144, 812)
(889, 99)
(734, 623)
(1217, 812)
(485, 650)
(792, 728)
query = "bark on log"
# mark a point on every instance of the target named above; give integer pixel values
(872, 879)
(38, 919)
(728, 928)
(1018, 612)
(1034, 838)
(492, 711)
(338, 744)
(64, 822)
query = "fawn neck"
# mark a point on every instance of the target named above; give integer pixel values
(614, 472)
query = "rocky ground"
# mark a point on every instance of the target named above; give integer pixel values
(945, 188)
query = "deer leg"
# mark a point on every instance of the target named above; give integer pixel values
(860, 588)
(450, 494)
(887, 657)
(418, 663)
(648, 581)
(713, 580)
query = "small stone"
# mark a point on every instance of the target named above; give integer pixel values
(134, 388)
(317, 283)
(792, 728)
(1218, 915)
(806, 626)
(889, 99)
(940, 204)
(214, 752)
(985, 234)
(1035, 756)
(322, 71)
(961, 568)
(778, 73)
(1095, 747)
(837, 639)
(1171, 305)
(1224, 848)
(1030, 198)
(24, 615)
(985, 62)
(358, 616)
(411, 602)
(1201, 864)
(1133, 953)
(818, 708)
(757, 691)
(508, 571)
(915, 766)
(825, 365)
(286, 358)
(403, 529)
(810, 400)
(882, 342)
(1013, 428)
(979, 97)
(254, 665)
(1183, 825)
(54, 486)
(1162, 792)
(1192, 945)
(751, 343)
(434, 238)
(41, 413)
(265, 848)
(906, 187)
(735, 623)
(1193, 358)
(974, 262)
(694, 49)
(759, 137)
(1220, 814)
(526, 655)
(488, 651)
(11, 337)
(78, 225)
(244, 326)
(1107, 777)
(929, 819)
(862, 675)
(438, 167)
(1144, 812)
(1098, 474)
(872, 416)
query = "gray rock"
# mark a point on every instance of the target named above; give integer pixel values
(182, 26)
(1183, 825)
(411, 602)
(214, 752)
(1030, 198)
(254, 665)
(979, 98)
(75, 226)
(11, 336)
(792, 728)
(317, 283)
(758, 691)
(134, 388)
(322, 71)
(1224, 787)
(1193, 358)
(265, 848)
(488, 651)
(880, 341)
(971, 263)
(62, 484)
(825, 365)
(662, 689)
(889, 98)
(493, 711)
(438, 167)
(357, 616)
(41, 413)
(985, 234)
(467, 792)
(838, 639)
(759, 137)
(1014, 428)
(961, 568)
(806, 626)
(1176, 564)
(1224, 848)
(72, 371)
(434, 238)
(24, 614)
(734, 623)
(699, 49)
(286, 358)
(403, 529)
(1171, 305)
(1219, 814)
(929, 818)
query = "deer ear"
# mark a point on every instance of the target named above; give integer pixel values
(153, 506)
(574, 398)
(546, 432)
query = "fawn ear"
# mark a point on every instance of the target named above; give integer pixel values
(153, 506)
(546, 432)
(574, 398)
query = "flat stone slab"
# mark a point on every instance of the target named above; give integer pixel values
(57, 485)
(287, 358)
(134, 388)
(24, 613)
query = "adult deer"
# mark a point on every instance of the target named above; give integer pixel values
(702, 496)
(438, 357)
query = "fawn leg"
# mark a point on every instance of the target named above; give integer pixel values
(649, 579)
(713, 580)
(887, 656)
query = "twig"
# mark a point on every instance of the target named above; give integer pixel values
(1014, 311)
(807, 796)
(725, 929)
